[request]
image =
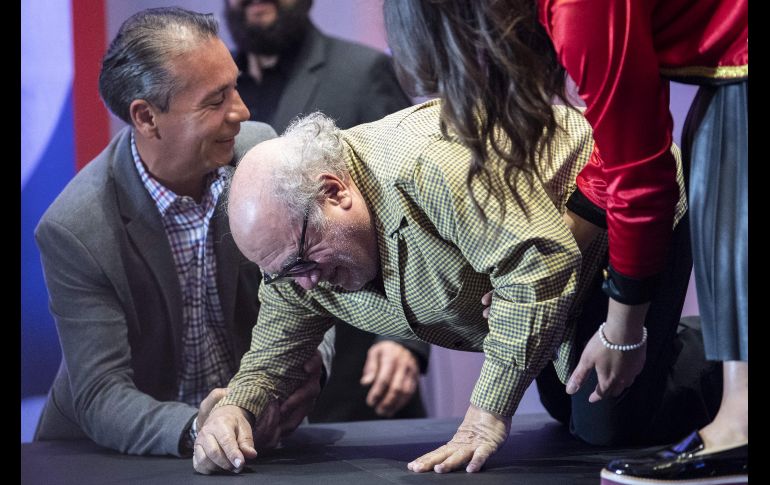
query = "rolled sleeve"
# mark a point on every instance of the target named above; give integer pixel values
(495, 377)
(522, 339)
(532, 261)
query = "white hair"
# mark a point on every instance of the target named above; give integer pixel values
(312, 146)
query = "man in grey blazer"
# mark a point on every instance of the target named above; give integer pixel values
(153, 302)
(288, 68)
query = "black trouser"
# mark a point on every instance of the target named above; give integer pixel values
(676, 392)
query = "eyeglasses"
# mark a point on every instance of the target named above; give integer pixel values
(298, 266)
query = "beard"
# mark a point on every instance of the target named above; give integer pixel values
(288, 30)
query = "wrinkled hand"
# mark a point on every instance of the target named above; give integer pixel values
(224, 442)
(208, 404)
(301, 402)
(615, 369)
(227, 438)
(478, 437)
(393, 372)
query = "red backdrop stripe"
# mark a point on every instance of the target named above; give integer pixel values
(92, 122)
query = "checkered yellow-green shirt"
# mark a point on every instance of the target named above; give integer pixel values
(437, 259)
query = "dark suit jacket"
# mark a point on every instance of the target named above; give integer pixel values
(116, 300)
(352, 84)
(349, 82)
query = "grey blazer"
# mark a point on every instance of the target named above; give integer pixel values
(115, 298)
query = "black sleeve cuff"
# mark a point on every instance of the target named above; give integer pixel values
(420, 350)
(324, 376)
(626, 290)
(186, 443)
(580, 205)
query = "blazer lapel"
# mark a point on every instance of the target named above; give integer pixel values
(228, 267)
(145, 230)
(303, 80)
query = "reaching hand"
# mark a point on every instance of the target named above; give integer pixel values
(615, 369)
(394, 374)
(478, 437)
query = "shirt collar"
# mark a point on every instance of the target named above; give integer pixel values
(164, 197)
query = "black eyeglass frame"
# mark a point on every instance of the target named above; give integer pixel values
(289, 269)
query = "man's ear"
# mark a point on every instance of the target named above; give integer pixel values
(336, 192)
(143, 117)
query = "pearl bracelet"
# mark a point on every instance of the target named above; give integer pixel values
(622, 348)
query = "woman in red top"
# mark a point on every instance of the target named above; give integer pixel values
(498, 64)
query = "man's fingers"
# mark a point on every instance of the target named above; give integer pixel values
(246, 440)
(276, 437)
(269, 427)
(234, 455)
(214, 396)
(307, 392)
(294, 400)
(222, 452)
(402, 387)
(297, 406)
(370, 366)
(375, 393)
(427, 461)
(201, 462)
(479, 435)
(454, 461)
(381, 382)
(480, 457)
(208, 404)
(290, 422)
(486, 300)
(265, 427)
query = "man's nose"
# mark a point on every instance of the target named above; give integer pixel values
(238, 110)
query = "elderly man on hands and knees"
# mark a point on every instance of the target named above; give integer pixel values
(289, 68)
(374, 225)
(153, 302)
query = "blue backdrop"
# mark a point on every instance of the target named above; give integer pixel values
(47, 164)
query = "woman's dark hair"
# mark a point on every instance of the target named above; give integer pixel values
(495, 69)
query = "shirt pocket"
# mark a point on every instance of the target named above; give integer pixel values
(438, 283)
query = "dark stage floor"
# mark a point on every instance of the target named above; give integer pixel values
(538, 451)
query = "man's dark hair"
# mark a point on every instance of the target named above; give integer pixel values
(137, 63)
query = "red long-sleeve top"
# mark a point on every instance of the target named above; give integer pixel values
(621, 53)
